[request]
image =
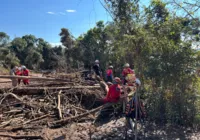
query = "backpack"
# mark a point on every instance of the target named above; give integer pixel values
(130, 78)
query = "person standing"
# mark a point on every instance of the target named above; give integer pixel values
(25, 72)
(18, 73)
(96, 68)
(128, 74)
(109, 74)
(12, 73)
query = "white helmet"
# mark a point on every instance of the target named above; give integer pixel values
(23, 67)
(96, 61)
(137, 81)
(111, 67)
(127, 65)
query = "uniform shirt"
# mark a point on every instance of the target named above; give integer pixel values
(114, 93)
(127, 71)
(96, 69)
(18, 72)
(109, 72)
(25, 72)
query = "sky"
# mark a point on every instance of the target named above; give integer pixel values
(45, 18)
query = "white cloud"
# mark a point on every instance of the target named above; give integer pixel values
(62, 13)
(71, 11)
(56, 44)
(52, 13)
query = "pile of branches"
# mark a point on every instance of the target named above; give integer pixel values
(51, 109)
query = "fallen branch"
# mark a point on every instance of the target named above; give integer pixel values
(16, 97)
(21, 136)
(59, 110)
(36, 119)
(78, 108)
(55, 123)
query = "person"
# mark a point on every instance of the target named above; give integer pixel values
(130, 107)
(12, 73)
(128, 74)
(109, 74)
(25, 72)
(18, 73)
(114, 92)
(96, 68)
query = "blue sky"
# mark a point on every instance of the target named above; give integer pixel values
(45, 18)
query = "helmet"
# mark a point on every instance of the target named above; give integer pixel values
(137, 81)
(117, 80)
(127, 65)
(111, 67)
(96, 61)
(109, 83)
(23, 67)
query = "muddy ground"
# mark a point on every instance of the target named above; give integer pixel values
(109, 130)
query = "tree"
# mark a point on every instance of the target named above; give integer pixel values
(66, 38)
(4, 38)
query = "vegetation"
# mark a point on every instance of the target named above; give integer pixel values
(155, 40)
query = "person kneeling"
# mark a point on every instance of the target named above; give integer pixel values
(114, 92)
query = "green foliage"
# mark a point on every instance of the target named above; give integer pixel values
(4, 38)
(66, 38)
(153, 40)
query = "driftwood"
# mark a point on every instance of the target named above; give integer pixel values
(39, 90)
(63, 121)
(21, 136)
(58, 88)
(12, 129)
(59, 110)
(30, 77)
(16, 97)
(36, 119)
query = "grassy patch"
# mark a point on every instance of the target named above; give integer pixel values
(4, 71)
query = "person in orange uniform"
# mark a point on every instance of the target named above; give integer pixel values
(126, 71)
(25, 72)
(18, 73)
(114, 92)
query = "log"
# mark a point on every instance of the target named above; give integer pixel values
(30, 77)
(21, 136)
(63, 121)
(36, 119)
(59, 110)
(39, 90)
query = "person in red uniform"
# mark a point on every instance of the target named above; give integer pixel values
(127, 70)
(25, 72)
(114, 92)
(109, 74)
(18, 73)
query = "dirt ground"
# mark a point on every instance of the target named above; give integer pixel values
(112, 130)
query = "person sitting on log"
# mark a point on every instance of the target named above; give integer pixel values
(25, 72)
